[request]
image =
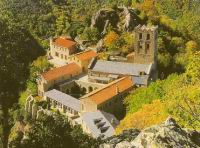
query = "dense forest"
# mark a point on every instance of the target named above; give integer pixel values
(25, 27)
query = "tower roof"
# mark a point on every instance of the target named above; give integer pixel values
(86, 55)
(64, 42)
(120, 68)
(146, 28)
(61, 71)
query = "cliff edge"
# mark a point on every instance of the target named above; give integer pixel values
(165, 135)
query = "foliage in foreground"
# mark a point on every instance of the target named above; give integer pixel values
(50, 131)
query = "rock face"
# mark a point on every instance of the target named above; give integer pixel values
(122, 18)
(165, 135)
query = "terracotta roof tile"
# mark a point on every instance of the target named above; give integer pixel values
(64, 42)
(103, 94)
(86, 55)
(61, 71)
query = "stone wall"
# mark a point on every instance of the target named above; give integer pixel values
(31, 107)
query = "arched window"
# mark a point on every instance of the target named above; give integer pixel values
(90, 89)
(84, 90)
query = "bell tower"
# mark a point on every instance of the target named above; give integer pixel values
(145, 45)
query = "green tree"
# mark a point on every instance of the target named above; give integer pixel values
(62, 25)
(43, 135)
(193, 68)
(18, 49)
(91, 34)
(38, 66)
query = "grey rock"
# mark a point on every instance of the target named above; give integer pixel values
(130, 19)
(168, 134)
(123, 18)
(102, 17)
(170, 122)
(194, 136)
(105, 27)
(124, 144)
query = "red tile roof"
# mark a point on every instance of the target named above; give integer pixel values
(61, 71)
(64, 42)
(109, 91)
(86, 55)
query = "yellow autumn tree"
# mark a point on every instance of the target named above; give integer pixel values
(191, 46)
(149, 114)
(110, 38)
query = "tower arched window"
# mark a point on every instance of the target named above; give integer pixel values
(148, 36)
(147, 48)
(140, 36)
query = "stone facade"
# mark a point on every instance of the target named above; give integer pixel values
(87, 105)
(61, 48)
(145, 45)
(31, 107)
(114, 105)
(62, 108)
(45, 83)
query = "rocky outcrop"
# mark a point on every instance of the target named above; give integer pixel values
(103, 18)
(131, 19)
(167, 134)
(122, 18)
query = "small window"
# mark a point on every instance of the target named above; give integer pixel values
(82, 107)
(139, 46)
(148, 36)
(147, 48)
(142, 73)
(57, 54)
(140, 36)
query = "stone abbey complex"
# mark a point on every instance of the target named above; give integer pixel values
(90, 91)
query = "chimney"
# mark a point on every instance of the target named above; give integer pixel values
(51, 40)
(117, 89)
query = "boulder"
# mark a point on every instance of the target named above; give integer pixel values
(103, 17)
(167, 134)
(122, 18)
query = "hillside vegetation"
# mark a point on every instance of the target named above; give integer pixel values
(178, 44)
